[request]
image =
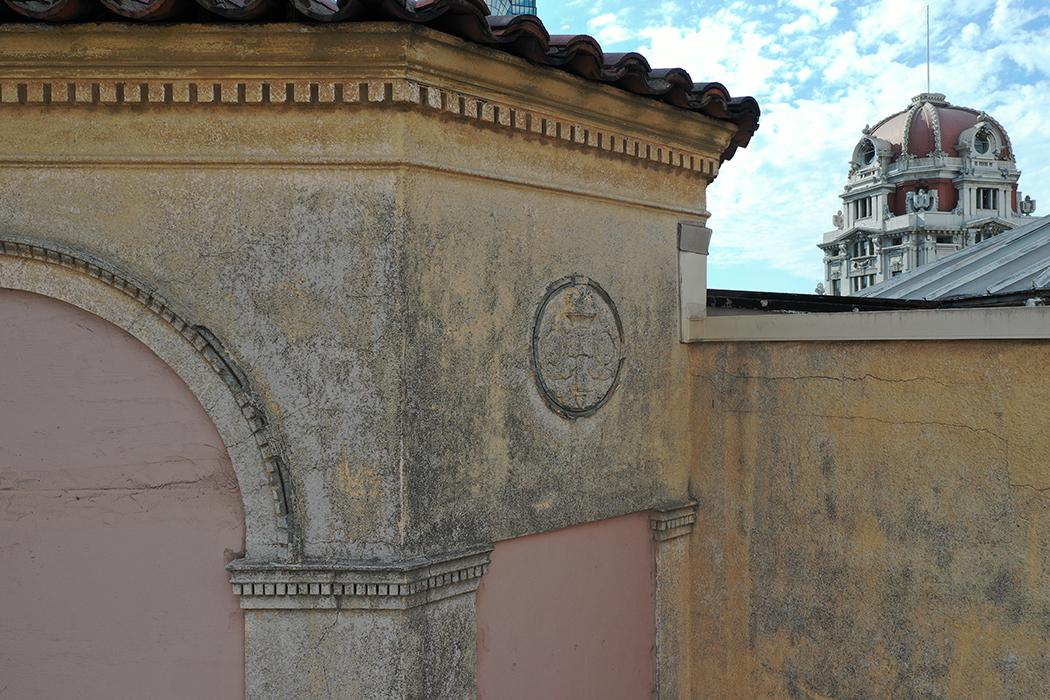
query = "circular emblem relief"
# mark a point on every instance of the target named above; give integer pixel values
(577, 347)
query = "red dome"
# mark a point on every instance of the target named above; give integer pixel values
(930, 124)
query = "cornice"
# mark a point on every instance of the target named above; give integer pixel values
(348, 94)
(941, 325)
(866, 188)
(673, 522)
(348, 67)
(357, 585)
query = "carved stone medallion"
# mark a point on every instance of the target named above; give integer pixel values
(577, 347)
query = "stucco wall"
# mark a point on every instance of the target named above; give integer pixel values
(118, 511)
(470, 387)
(873, 520)
(569, 614)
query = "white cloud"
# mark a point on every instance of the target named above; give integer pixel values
(607, 28)
(724, 48)
(804, 24)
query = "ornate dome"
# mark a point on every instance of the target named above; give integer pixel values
(931, 125)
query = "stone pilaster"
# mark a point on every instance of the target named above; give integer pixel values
(670, 528)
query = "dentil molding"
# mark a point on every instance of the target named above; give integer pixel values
(671, 523)
(357, 585)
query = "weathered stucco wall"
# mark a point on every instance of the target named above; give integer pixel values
(483, 432)
(873, 520)
(118, 511)
(569, 614)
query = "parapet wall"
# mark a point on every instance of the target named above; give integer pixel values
(873, 520)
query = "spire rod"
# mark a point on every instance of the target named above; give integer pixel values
(927, 48)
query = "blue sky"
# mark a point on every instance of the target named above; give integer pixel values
(821, 70)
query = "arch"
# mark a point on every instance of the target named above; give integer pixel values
(194, 354)
(870, 151)
(995, 138)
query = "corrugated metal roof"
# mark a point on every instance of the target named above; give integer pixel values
(520, 35)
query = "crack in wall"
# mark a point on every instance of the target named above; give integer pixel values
(320, 652)
(874, 419)
(1043, 492)
(842, 379)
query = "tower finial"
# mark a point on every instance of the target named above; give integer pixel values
(927, 48)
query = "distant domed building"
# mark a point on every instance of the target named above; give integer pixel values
(923, 183)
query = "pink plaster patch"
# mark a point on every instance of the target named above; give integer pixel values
(569, 614)
(118, 511)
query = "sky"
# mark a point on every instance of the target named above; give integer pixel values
(821, 70)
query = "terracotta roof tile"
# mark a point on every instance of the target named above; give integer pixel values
(521, 35)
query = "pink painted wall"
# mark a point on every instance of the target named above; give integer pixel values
(118, 512)
(569, 614)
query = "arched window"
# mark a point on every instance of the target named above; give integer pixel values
(862, 248)
(867, 152)
(982, 142)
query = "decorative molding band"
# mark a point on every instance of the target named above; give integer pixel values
(905, 143)
(1012, 323)
(202, 341)
(671, 523)
(932, 117)
(357, 585)
(390, 92)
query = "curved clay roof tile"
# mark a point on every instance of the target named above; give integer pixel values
(680, 85)
(521, 35)
(144, 10)
(580, 54)
(53, 10)
(239, 9)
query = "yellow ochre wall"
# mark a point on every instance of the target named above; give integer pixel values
(873, 520)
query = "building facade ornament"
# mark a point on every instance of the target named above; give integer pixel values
(577, 347)
(934, 120)
(357, 585)
(673, 522)
(350, 93)
(921, 200)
